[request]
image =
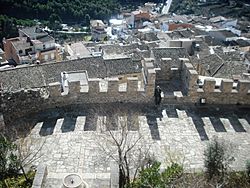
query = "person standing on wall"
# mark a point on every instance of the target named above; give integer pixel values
(157, 95)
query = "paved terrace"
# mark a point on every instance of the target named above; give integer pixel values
(70, 141)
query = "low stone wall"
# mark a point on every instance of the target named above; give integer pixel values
(40, 176)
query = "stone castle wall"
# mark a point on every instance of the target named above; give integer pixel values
(225, 93)
(25, 101)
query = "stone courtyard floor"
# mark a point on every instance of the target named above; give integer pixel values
(67, 139)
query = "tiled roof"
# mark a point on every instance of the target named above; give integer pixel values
(185, 33)
(122, 66)
(174, 53)
(222, 65)
(40, 75)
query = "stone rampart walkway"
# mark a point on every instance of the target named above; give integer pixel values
(67, 139)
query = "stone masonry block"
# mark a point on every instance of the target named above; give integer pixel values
(150, 87)
(193, 77)
(226, 85)
(55, 89)
(149, 65)
(189, 66)
(94, 87)
(74, 87)
(209, 85)
(151, 76)
(166, 59)
(150, 90)
(132, 84)
(149, 59)
(113, 85)
(193, 73)
(184, 59)
(243, 86)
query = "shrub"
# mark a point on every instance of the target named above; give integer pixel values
(153, 177)
(248, 169)
(171, 173)
(149, 177)
(18, 181)
(237, 179)
(217, 159)
(9, 162)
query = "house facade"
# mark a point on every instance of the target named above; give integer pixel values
(32, 46)
(98, 30)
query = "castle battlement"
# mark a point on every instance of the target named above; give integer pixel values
(94, 80)
(214, 90)
(225, 86)
(109, 86)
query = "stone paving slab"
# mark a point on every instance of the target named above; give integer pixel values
(171, 132)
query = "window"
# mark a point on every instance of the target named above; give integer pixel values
(46, 57)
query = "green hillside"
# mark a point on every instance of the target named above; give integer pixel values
(68, 10)
(236, 9)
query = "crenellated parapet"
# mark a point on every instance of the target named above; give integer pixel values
(94, 85)
(113, 86)
(189, 77)
(243, 87)
(132, 85)
(209, 85)
(225, 91)
(214, 90)
(74, 87)
(110, 86)
(97, 90)
(150, 86)
(55, 89)
(226, 85)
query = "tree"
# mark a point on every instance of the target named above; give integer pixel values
(15, 157)
(87, 20)
(55, 22)
(126, 148)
